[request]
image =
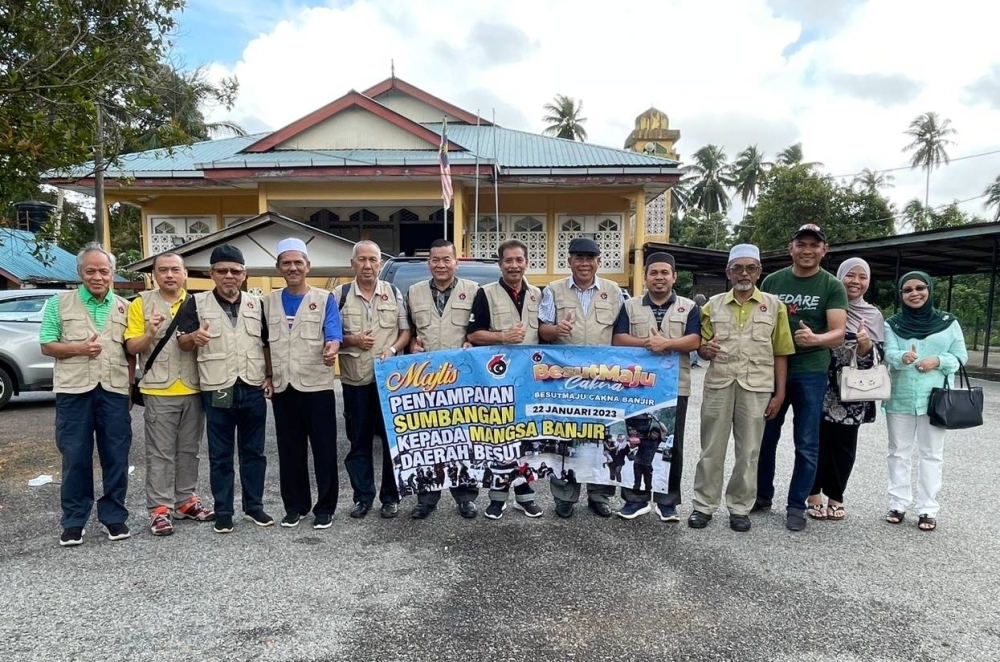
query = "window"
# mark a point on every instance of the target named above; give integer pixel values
(486, 224)
(324, 219)
(364, 216)
(198, 227)
(165, 228)
(571, 225)
(405, 216)
(22, 309)
(607, 225)
(529, 224)
(169, 232)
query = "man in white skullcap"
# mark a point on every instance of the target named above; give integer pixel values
(303, 338)
(746, 337)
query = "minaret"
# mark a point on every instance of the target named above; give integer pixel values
(652, 135)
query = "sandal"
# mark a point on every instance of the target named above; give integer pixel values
(895, 516)
(816, 511)
(926, 523)
(835, 512)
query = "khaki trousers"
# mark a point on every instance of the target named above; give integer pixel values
(724, 410)
(175, 426)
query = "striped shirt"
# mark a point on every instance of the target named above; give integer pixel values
(51, 329)
(547, 307)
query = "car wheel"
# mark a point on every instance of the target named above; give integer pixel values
(6, 388)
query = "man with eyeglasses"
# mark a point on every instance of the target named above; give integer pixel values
(817, 317)
(225, 328)
(746, 337)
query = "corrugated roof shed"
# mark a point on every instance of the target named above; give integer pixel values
(16, 258)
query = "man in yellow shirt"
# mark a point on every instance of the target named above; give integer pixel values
(174, 416)
(746, 337)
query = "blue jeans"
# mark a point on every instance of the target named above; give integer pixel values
(79, 418)
(804, 394)
(242, 426)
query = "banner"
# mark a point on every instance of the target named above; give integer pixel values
(494, 417)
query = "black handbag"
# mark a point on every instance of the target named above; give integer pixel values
(956, 408)
(134, 392)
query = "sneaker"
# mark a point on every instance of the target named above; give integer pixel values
(667, 513)
(291, 520)
(529, 508)
(259, 517)
(324, 521)
(468, 509)
(795, 520)
(223, 524)
(495, 509)
(71, 537)
(159, 522)
(389, 510)
(360, 509)
(192, 509)
(118, 531)
(633, 509)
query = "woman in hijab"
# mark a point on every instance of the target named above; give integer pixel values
(923, 346)
(838, 431)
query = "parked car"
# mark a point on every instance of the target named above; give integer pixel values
(22, 365)
(405, 271)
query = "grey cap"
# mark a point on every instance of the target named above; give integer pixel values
(584, 246)
(227, 253)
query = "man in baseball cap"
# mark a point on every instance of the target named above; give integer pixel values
(810, 229)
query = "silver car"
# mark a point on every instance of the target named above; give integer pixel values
(22, 366)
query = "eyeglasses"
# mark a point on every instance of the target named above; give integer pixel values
(226, 272)
(744, 268)
(918, 288)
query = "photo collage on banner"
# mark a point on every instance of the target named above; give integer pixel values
(495, 417)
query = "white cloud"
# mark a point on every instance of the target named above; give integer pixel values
(850, 88)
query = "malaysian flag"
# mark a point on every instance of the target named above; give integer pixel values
(447, 191)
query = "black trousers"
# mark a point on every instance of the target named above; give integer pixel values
(363, 412)
(300, 420)
(838, 446)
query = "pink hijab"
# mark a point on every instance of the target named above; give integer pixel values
(859, 310)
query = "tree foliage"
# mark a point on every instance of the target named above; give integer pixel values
(564, 119)
(992, 193)
(708, 178)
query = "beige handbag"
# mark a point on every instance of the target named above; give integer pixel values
(864, 384)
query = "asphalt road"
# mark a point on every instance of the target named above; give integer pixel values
(516, 589)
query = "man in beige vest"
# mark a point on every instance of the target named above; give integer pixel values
(440, 309)
(373, 314)
(746, 337)
(662, 321)
(226, 330)
(84, 331)
(506, 313)
(303, 338)
(173, 415)
(580, 310)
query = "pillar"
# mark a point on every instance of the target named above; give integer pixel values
(639, 268)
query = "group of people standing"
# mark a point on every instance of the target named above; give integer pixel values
(210, 360)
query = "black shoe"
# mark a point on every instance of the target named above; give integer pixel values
(223, 524)
(564, 509)
(795, 520)
(71, 537)
(118, 531)
(360, 509)
(422, 511)
(468, 509)
(495, 509)
(291, 520)
(389, 510)
(760, 505)
(324, 521)
(529, 508)
(739, 523)
(699, 520)
(259, 517)
(600, 509)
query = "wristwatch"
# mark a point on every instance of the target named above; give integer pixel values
(392, 348)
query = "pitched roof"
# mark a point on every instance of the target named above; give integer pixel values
(402, 86)
(56, 265)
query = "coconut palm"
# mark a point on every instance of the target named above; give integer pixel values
(992, 193)
(930, 136)
(917, 215)
(564, 119)
(873, 180)
(792, 156)
(710, 175)
(749, 172)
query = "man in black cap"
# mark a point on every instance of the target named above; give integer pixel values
(662, 322)
(225, 328)
(580, 310)
(817, 317)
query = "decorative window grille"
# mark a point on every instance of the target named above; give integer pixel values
(605, 229)
(170, 232)
(493, 231)
(364, 216)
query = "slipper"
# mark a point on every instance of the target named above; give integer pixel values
(895, 516)
(816, 511)
(926, 523)
(835, 512)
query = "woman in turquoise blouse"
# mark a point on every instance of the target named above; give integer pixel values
(922, 347)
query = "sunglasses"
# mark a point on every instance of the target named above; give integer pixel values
(744, 268)
(226, 272)
(918, 288)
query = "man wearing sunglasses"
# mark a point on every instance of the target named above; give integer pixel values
(817, 317)
(225, 328)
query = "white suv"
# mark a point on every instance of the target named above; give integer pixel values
(22, 365)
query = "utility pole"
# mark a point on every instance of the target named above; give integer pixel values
(99, 219)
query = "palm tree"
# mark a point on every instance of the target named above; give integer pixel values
(992, 193)
(930, 136)
(564, 118)
(792, 156)
(873, 180)
(917, 215)
(710, 175)
(749, 171)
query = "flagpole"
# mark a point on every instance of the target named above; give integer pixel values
(496, 175)
(444, 208)
(475, 222)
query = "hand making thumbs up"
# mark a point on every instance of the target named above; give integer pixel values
(711, 349)
(565, 327)
(804, 336)
(416, 345)
(910, 356)
(656, 342)
(92, 347)
(201, 336)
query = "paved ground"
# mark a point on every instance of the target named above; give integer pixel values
(445, 589)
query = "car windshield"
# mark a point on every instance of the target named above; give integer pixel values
(408, 273)
(22, 309)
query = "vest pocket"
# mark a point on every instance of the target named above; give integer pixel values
(386, 314)
(315, 374)
(763, 327)
(255, 365)
(212, 369)
(119, 372)
(253, 326)
(604, 312)
(760, 372)
(421, 317)
(460, 312)
(74, 328)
